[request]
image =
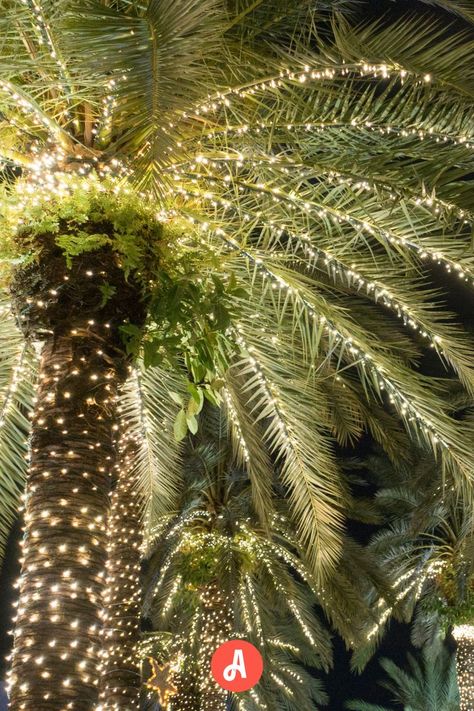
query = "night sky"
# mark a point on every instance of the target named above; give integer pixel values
(341, 683)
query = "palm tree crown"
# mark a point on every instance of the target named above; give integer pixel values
(250, 168)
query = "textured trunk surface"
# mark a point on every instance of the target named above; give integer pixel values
(120, 677)
(188, 696)
(57, 637)
(199, 691)
(465, 668)
(58, 634)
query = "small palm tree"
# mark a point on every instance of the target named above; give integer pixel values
(238, 188)
(427, 550)
(438, 580)
(427, 685)
(215, 573)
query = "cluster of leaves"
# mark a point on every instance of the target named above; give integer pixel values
(192, 310)
(427, 684)
(83, 216)
(186, 418)
(453, 611)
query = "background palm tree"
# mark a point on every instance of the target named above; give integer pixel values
(427, 550)
(194, 156)
(214, 572)
(428, 684)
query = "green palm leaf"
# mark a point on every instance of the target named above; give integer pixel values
(17, 378)
(149, 414)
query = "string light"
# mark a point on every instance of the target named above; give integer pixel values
(45, 39)
(390, 238)
(300, 77)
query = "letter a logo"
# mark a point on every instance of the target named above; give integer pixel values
(237, 665)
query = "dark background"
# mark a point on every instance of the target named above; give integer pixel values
(341, 684)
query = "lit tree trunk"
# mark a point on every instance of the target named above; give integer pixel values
(216, 627)
(464, 635)
(202, 693)
(58, 628)
(120, 676)
(188, 697)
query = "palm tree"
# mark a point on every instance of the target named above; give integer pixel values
(188, 177)
(427, 685)
(214, 573)
(427, 550)
(438, 579)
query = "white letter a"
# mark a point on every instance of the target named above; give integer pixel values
(237, 666)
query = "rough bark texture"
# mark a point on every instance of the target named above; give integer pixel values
(465, 669)
(57, 638)
(120, 677)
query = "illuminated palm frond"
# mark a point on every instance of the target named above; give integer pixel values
(18, 363)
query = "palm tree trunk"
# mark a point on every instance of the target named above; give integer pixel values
(57, 639)
(215, 630)
(56, 655)
(464, 635)
(199, 691)
(120, 677)
(188, 697)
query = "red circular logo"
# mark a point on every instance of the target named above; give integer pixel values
(237, 665)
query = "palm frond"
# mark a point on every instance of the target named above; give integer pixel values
(149, 412)
(246, 436)
(432, 680)
(18, 364)
(307, 466)
(462, 8)
(153, 57)
(417, 43)
(364, 706)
